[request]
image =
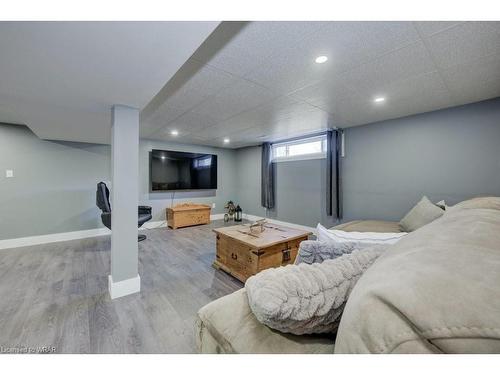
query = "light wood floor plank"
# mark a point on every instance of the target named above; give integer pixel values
(57, 294)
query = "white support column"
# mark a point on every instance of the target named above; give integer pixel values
(124, 278)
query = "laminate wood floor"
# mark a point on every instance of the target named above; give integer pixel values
(56, 295)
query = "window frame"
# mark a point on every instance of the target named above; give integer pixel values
(298, 141)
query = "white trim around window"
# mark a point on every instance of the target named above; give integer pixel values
(306, 148)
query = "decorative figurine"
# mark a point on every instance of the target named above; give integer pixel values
(231, 208)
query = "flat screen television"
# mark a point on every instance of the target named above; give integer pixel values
(175, 170)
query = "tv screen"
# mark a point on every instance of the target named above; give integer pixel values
(175, 170)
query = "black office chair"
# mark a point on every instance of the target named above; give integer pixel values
(102, 201)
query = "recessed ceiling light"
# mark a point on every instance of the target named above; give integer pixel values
(227, 140)
(379, 99)
(163, 157)
(174, 132)
(321, 59)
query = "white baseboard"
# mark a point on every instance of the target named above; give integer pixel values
(123, 288)
(217, 217)
(56, 237)
(77, 235)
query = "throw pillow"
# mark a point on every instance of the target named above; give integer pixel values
(308, 298)
(373, 238)
(423, 213)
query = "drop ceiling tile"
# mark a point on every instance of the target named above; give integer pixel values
(428, 28)
(191, 121)
(347, 44)
(274, 111)
(464, 43)
(159, 119)
(287, 73)
(306, 121)
(190, 139)
(253, 44)
(333, 88)
(312, 119)
(286, 94)
(352, 43)
(175, 106)
(254, 133)
(416, 95)
(219, 130)
(208, 80)
(474, 82)
(194, 83)
(395, 66)
(241, 96)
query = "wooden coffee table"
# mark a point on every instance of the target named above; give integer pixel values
(242, 254)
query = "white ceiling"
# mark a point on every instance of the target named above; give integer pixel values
(258, 81)
(61, 78)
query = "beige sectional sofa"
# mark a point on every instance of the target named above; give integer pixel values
(435, 291)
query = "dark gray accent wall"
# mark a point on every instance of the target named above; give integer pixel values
(451, 154)
(53, 188)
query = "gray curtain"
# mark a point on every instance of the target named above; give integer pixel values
(267, 180)
(333, 174)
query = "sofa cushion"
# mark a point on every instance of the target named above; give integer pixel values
(492, 203)
(379, 226)
(227, 325)
(424, 212)
(436, 290)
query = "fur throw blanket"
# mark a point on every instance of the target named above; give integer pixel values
(318, 251)
(308, 298)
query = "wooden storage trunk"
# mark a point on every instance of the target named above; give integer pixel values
(243, 255)
(186, 215)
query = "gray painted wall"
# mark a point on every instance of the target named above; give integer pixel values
(300, 189)
(53, 188)
(226, 170)
(452, 154)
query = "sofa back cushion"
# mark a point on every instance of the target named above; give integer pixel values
(436, 290)
(492, 203)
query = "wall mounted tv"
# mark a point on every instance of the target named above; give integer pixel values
(175, 170)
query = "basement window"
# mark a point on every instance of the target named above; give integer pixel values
(300, 149)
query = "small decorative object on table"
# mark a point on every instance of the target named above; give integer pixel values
(231, 209)
(238, 214)
(258, 226)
